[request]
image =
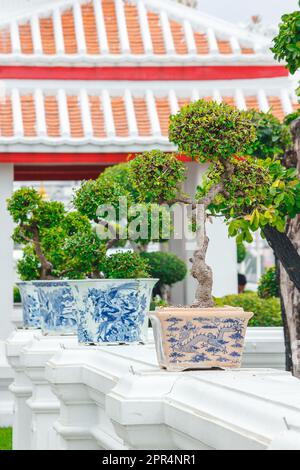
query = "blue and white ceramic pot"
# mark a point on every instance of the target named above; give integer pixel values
(30, 305)
(190, 338)
(57, 307)
(112, 310)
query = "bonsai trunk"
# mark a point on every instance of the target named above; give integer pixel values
(200, 270)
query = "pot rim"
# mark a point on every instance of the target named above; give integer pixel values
(74, 281)
(210, 312)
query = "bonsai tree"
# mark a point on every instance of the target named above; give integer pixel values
(60, 244)
(168, 268)
(249, 193)
(123, 217)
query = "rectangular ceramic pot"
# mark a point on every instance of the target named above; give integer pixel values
(189, 338)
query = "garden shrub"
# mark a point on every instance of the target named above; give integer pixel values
(267, 312)
(268, 284)
(165, 266)
(127, 265)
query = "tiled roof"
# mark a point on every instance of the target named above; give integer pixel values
(113, 117)
(112, 31)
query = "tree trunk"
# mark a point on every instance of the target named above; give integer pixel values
(200, 270)
(286, 251)
(288, 348)
(289, 280)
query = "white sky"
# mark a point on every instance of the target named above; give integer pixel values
(242, 10)
(230, 10)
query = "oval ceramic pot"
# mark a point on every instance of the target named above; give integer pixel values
(112, 311)
(189, 338)
(30, 305)
(57, 307)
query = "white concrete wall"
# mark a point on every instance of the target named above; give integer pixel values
(221, 252)
(6, 252)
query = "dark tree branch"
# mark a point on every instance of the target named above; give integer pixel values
(46, 266)
(286, 252)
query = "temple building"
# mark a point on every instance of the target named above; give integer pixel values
(86, 82)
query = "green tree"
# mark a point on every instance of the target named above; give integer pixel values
(168, 268)
(60, 244)
(115, 187)
(287, 48)
(250, 193)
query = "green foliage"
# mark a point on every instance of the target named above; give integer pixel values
(157, 176)
(17, 295)
(241, 252)
(85, 256)
(121, 175)
(208, 131)
(28, 266)
(127, 265)
(5, 439)
(93, 194)
(291, 117)
(166, 266)
(287, 42)
(157, 302)
(66, 239)
(272, 137)
(268, 284)
(259, 192)
(267, 312)
(23, 204)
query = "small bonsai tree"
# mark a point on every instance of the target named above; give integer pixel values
(62, 245)
(168, 268)
(111, 188)
(249, 193)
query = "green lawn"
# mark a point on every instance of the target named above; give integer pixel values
(6, 439)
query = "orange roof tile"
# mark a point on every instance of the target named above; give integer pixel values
(117, 110)
(134, 27)
(26, 38)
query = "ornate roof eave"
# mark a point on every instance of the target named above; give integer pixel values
(167, 32)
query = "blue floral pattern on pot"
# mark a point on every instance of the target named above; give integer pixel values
(208, 338)
(57, 306)
(221, 337)
(112, 311)
(30, 305)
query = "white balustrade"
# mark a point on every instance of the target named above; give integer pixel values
(21, 388)
(71, 397)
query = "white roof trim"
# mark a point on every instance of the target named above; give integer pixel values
(239, 91)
